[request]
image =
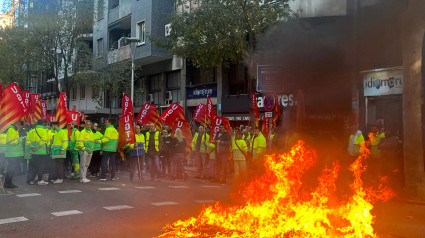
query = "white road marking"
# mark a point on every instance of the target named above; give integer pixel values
(108, 189)
(205, 201)
(146, 187)
(11, 220)
(28, 195)
(119, 207)
(66, 213)
(211, 186)
(164, 203)
(178, 186)
(70, 191)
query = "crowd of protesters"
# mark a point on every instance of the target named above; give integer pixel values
(46, 153)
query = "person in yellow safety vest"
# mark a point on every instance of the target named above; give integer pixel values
(239, 151)
(96, 160)
(153, 145)
(14, 153)
(3, 137)
(258, 145)
(247, 137)
(59, 147)
(211, 162)
(199, 144)
(137, 150)
(38, 140)
(355, 142)
(375, 137)
(73, 150)
(109, 144)
(85, 143)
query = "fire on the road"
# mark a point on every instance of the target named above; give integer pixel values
(277, 204)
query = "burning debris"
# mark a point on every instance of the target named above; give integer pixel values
(277, 204)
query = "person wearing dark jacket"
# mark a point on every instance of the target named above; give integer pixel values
(223, 142)
(178, 149)
(165, 154)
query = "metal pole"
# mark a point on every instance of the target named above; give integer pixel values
(132, 77)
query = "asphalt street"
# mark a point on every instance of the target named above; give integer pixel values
(103, 209)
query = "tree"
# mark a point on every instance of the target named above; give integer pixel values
(222, 32)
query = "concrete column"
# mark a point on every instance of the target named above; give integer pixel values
(413, 29)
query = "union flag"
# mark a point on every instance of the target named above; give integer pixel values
(13, 107)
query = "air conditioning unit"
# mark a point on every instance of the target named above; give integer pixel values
(168, 96)
(122, 42)
(150, 98)
(168, 29)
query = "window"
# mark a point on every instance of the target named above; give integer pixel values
(95, 92)
(99, 47)
(82, 92)
(141, 32)
(173, 80)
(155, 87)
(74, 93)
(100, 6)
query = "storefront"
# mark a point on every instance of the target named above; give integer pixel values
(383, 98)
(198, 94)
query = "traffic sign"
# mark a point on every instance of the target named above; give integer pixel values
(268, 114)
(269, 102)
(269, 78)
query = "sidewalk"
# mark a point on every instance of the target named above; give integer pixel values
(399, 218)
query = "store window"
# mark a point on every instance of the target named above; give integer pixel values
(82, 92)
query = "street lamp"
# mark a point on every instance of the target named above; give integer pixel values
(132, 40)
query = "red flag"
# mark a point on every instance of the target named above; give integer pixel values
(265, 130)
(125, 132)
(215, 126)
(173, 113)
(200, 114)
(35, 108)
(43, 110)
(277, 113)
(72, 116)
(13, 107)
(210, 109)
(74, 108)
(83, 116)
(26, 95)
(256, 113)
(127, 105)
(148, 114)
(185, 127)
(51, 118)
(61, 110)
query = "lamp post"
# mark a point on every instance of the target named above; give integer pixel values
(132, 40)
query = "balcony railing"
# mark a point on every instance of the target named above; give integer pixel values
(121, 11)
(120, 54)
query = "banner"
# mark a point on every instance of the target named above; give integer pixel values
(200, 114)
(51, 118)
(216, 124)
(265, 130)
(72, 116)
(173, 113)
(125, 132)
(1, 93)
(127, 105)
(13, 107)
(148, 114)
(43, 110)
(26, 95)
(74, 108)
(210, 110)
(187, 134)
(61, 110)
(256, 112)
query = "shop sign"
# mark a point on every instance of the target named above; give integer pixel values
(201, 91)
(383, 82)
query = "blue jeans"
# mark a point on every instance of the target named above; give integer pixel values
(153, 165)
(108, 156)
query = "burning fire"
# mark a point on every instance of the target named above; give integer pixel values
(277, 204)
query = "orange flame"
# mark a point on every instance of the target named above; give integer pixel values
(278, 205)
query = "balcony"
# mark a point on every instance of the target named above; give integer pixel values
(122, 10)
(119, 54)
